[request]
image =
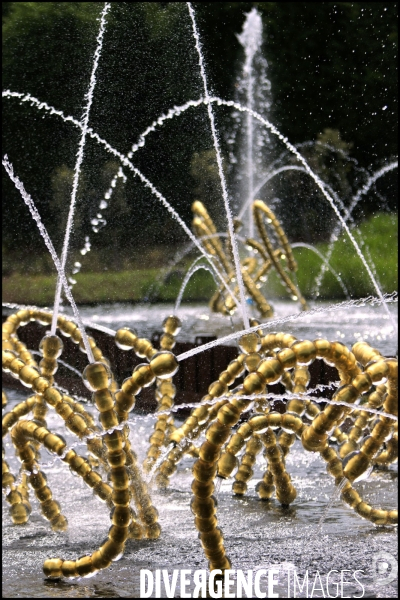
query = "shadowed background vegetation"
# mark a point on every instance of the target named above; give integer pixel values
(333, 77)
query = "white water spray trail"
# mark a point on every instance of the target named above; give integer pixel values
(323, 189)
(217, 486)
(79, 159)
(191, 271)
(61, 362)
(326, 264)
(125, 161)
(158, 462)
(147, 183)
(268, 177)
(61, 274)
(250, 39)
(335, 496)
(220, 169)
(372, 300)
(335, 234)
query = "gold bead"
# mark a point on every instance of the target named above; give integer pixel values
(351, 497)
(244, 473)
(254, 383)
(125, 338)
(96, 376)
(64, 410)
(144, 348)
(217, 388)
(59, 523)
(250, 342)
(313, 441)
(348, 447)
(52, 396)
(143, 375)
(209, 452)
(378, 516)
(291, 422)
(323, 348)
(51, 346)
(167, 341)
(99, 561)
(84, 566)
(153, 531)
(226, 378)
(205, 524)
(236, 367)
(7, 358)
(362, 383)
(164, 364)
(203, 507)
(54, 443)
(119, 478)
(52, 567)
(68, 568)
(104, 400)
(226, 464)
(287, 358)
(121, 517)
(356, 465)
(204, 472)
(217, 433)
(264, 490)
(228, 415)
(50, 509)
(110, 550)
(68, 328)
(236, 443)
(239, 488)
(27, 375)
(305, 352)
(271, 369)
(252, 361)
(77, 425)
(108, 419)
(378, 370)
(172, 325)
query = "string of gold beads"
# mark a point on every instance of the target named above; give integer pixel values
(267, 359)
(260, 209)
(198, 419)
(166, 391)
(206, 232)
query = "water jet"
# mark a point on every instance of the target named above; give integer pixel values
(352, 424)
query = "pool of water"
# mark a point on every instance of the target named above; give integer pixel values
(343, 322)
(258, 534)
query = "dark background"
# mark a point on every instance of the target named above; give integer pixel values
(332, 66)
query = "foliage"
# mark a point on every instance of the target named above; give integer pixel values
(332, 68)
(378, 236)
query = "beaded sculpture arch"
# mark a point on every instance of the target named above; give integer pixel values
(224, 414)
(254, 268)
(109, 444)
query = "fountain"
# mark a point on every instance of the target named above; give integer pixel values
(353, 428)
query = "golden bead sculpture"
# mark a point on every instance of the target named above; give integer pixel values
(255, 268)
(238, 424)
(109, 444)
(303, 419)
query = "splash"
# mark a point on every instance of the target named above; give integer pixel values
(79, 159)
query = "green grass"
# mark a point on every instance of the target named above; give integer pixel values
(379, 235)
(379, 239)
(95, 288)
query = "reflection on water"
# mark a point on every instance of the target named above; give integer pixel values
(257, 534)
